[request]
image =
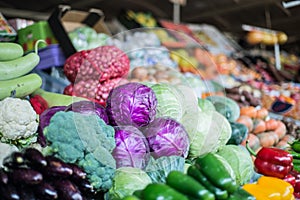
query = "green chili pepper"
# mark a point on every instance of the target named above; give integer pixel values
(158, 191)
(194, 172)
(216, 172)
(188, 186)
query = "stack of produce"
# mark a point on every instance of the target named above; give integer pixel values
(263, 131)
(155, 74)
(16, 79)
(244, 95)
(293, 128)
(18, 119)
(274, 164)
(82, 138)
(93, 73)
(207, 178)
(143, 48)
(30, 175)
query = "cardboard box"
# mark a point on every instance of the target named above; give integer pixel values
(64, 20)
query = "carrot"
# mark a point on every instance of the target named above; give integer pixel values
(262, 113)
(271, 124)
(268, 139)
(249, 111)
(280, 130)
(247, 121)
(259, 126)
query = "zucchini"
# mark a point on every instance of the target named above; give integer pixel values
(18, 67)
(21, 86)
(10, 51)
(57, 99)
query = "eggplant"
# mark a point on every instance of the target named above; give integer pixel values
(26, 193)
(26, 176)
(78, 173)
(68, 190)
(35, 158)
(46, 191)
(9, 192)
(15, 160)
(86, 187)
(3, 177)
(57, 168)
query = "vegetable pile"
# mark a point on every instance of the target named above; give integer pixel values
(208, 178)
(93, 73)
(84, 140)
(30, 175)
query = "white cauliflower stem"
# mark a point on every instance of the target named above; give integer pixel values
(18, 120)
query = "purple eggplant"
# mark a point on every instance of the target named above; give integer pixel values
(3, 177)
(26, 193)
(46, 191)
(35, 158)
(9, 192)
(15, 160)
(78, 173)
(67, 190)
(57, 168)
(86, 187)
(26, 176)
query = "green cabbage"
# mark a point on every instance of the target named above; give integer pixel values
(169, 101)
(126, 181)
(240, 161)
(210, 132)
(159, 169)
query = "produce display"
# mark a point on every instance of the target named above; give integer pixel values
(142, 121)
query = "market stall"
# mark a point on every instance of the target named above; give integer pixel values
(160, 110)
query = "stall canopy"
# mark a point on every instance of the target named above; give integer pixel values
(227, 15)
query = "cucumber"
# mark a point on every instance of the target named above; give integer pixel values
(10, 51)
(57, 99)
(18, 67)
(21, 86)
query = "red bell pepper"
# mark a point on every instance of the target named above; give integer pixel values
(290, 179)
(271, 161)
(38, 103)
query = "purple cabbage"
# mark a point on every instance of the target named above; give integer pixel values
(44, 120)
(131, 104)
(89, 107)
(131, 149)
(167, 137)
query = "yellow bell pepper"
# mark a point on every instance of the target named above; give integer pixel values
(270, 188)
(284, 188)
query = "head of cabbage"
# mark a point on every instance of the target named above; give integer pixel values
(126, 181)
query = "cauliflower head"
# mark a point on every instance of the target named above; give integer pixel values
(18, 120)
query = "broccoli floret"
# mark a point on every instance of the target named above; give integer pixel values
(85, 140)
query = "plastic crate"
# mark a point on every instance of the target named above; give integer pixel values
(51, 56)
(28, 36)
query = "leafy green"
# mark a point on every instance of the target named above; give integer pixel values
(126, 181)
(159, 169)
(239, 160)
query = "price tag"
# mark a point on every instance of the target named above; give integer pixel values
(281, 107)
